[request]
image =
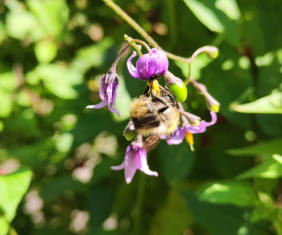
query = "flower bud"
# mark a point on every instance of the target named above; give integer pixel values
(176, 86)
(153, 64)
(179, 91)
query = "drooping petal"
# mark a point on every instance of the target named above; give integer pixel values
(111, 93)
(112, 107)
(135, 158)
(131, 69)
(212, 103)
(98, 106)
(177, 138)
(144, 165)
(196, 129)
(117, 168)
(214, 119)
(103, 88)
(131, 163)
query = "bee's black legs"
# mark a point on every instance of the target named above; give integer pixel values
(147, 91)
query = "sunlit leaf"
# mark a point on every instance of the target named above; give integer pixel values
(4, 225)
(239, 193)
(269, 147)
(268, 104)
(93, 55)
(13, 187)
(63, 142)
(219, 16)
(57, 79)
(21, 24)
(45, 51)
(271, 168)
(222, 219)
(52, 15)
(7, 86)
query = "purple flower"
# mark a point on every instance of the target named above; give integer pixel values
(108, 87)
(193, 129)
(148, 65)
(108, 92)
(135, 158)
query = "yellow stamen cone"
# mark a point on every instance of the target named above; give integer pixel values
(155, 86)
(190, 140)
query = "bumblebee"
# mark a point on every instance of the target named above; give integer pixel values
(157, 115)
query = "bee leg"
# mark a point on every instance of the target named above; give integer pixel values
(147, 91)
(151, 142)
(159, 98)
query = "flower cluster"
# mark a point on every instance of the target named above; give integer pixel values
(166, 101)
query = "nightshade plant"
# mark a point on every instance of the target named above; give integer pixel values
(152, 66)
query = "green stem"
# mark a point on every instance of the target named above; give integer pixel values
(213, 51)
(139, 203)
(141, 31)
(132, 43)
(131, 22)
(173, 27)
(278, 226)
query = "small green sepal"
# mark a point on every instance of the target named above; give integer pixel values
(129, 136)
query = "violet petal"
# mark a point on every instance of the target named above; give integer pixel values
(98, 106)
(131, 69)
(144, 165)
(130, 163)
(177, 138)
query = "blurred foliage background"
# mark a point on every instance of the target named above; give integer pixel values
(55, 155)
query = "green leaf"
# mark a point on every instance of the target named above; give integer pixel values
(52, 15)
(57, 79)
(173, 217)
(271, 168)
(21, 24)
(176, 160)
(99, 205)
(63, 142)
(199, 63)
(222, 219)
(60, 185)
(8, 84)
(239, 193)
(4, 225)
(268, 147)
(218, 16)
(45, 51)
(268, 104)
(13, 187)
(93, 55)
